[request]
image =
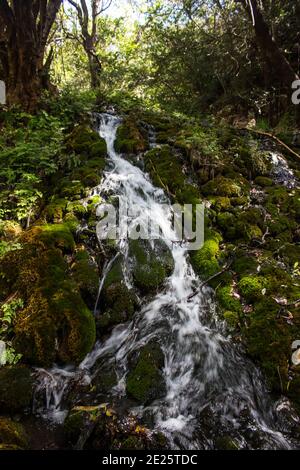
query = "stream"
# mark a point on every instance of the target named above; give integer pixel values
(212, 389)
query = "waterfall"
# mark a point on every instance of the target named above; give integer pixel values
(212, 388)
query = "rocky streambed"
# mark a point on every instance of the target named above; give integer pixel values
(153, 346)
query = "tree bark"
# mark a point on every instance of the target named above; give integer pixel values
(27, 25)
(89, 39)
(270, 50)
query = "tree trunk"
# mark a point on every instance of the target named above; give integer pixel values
(26, 27)
(95, 70)
(274, 57)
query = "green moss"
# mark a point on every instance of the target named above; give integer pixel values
(85, 274)
(55, 211)
(226, 443)
(269, 342)
(145, 381)
(55, 323)
(16, 388)
(84, 141)
(277, 195)
(105, 380)
(227, 301)
(244, 264)
(150, 266)
(117, 301)
(251, 288)
(290, 253)
(132, 443)
(205, 260)
(51, 236)
(165, 169)
(70, 188)
(129, 138)
(221, 203)
(77, 208)
(232, 318)
(12, 435)
(225, 187)
(263, 181)
(253, 162)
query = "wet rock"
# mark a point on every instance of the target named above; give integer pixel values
(16, 388)
(86, 275)
(145, 381)
(117, 301)
(151, 266)
(86, 142)
(12, 435)
(101, 427)
(55, 323)
(130, 139)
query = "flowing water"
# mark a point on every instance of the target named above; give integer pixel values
(212, 389)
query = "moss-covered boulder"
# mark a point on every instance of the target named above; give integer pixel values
(205, 261)
(166, 171)
(225, 187)
(16, 388)
(12, 435)
(251, 288)
(86, 142)
(130, 138)
(151, 266)
(145, 382)
(55, 323)
(117, 303)
(85, 273)
(102, 427)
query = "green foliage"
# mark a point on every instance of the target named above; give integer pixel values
(29, 152)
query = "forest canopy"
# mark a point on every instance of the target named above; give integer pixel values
(190, 56)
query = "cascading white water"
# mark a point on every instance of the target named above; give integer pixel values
(212, 389)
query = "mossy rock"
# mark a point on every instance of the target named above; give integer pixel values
(220, 203)
(84, 141)
(16, 388)
(117, 301)
(205, 260)
(226, 443)
(129, 138)
(55, 323)
(10, 230)
(105, 380)
(166, 172)
(86, 275)
(251, 288)
(145, 382)
(225, 187)
(150, 266)
(59, 327)
(51, 236)
(244, 264)
(290, 253)
(56, 210)
(12, 435)
(263, 181)
(269, 341)
(231, 318)
(253, 162)
(227, 300)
